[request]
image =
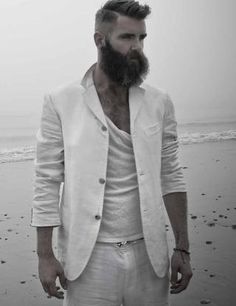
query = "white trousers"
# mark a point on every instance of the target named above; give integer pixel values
(118, 275)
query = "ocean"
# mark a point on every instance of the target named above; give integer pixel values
(17, 135)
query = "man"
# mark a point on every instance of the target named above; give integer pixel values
(108, 146)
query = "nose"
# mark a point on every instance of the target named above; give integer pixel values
(137, 45)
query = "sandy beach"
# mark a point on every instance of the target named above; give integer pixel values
(210, 172)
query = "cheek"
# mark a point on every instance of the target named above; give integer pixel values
(124, 49)
(121, 46)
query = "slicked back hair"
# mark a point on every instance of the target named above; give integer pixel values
(111, 10)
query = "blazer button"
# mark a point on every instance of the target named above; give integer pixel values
(97, 217)
(102, 181)
(104, 128)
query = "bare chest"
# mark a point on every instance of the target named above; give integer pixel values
(118, 112)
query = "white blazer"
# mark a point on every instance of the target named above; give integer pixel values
(72, 148)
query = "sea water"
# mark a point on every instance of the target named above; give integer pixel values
(18, 135)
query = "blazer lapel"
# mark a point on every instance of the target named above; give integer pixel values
(136, 97)
(91, 97)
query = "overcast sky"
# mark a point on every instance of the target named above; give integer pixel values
(191, 46)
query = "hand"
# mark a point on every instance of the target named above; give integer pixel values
(49, 269)
(180, 263)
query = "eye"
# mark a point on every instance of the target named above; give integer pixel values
(142, 37)
(127, 36)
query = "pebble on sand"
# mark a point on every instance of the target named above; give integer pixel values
(205, 302)
(208, 242)
(193, 217)
(211, 224)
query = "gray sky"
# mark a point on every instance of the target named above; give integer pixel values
(191, 46)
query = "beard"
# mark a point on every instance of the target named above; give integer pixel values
(125, 70)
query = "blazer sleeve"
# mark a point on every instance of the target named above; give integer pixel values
(171, 172)
(49, 168)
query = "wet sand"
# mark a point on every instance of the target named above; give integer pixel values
(210, 172)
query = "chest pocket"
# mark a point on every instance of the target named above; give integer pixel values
(153, 129)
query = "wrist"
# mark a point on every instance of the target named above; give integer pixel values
(182, 250)
(45, 254)
(182, 244)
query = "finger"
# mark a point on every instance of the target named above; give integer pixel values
(182, 285)
(60, 296)
(51, 288)
(63, 280)
(45, 286)
(176, 285)
(54, 291)
(174, 276)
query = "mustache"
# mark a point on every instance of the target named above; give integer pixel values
(133, 55)
(136, 56)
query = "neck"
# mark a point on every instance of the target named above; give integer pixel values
(104, 85)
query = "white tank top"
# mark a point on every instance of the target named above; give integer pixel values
(121, 218)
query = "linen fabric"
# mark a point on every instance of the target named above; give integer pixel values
(71, 164)
(118, 275)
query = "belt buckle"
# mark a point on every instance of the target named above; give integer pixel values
(120, 244)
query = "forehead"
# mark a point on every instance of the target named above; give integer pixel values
(126, 24)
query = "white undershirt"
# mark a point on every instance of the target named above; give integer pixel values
(121, 219)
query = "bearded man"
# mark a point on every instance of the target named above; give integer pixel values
(106, 165)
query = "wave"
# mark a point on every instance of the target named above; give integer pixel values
(17, 154)
(191, 138)
(28, 152)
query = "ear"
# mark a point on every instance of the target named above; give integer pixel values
(99, 39)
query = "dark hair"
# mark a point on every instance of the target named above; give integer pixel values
(113, 8)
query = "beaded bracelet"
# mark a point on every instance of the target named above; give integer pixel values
(182, 250)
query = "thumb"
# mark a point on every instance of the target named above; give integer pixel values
(63, 280)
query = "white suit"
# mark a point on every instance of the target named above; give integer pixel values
(72, 148)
